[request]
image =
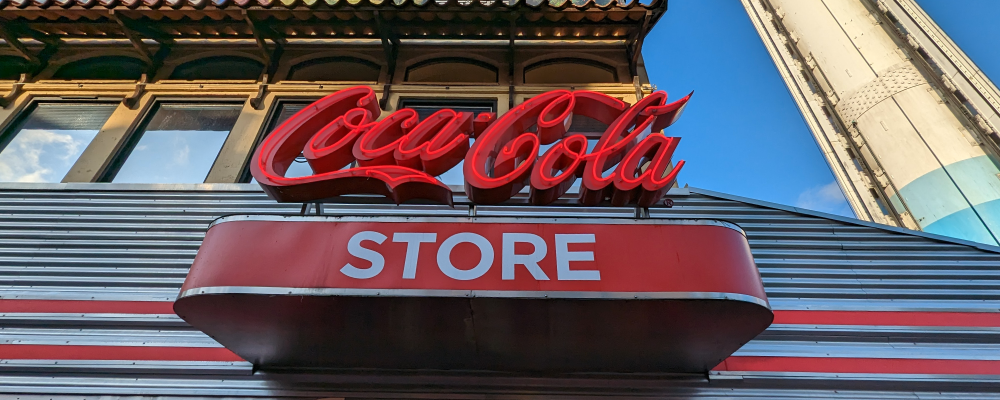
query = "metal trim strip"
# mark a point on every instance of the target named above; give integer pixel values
(860, 365)
(284, 291)
(852, 376)
(482, 220)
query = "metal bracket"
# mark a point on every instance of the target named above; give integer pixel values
(15, 44)
(270, 54)
(390, 46)
(132, 101)
(134, 38)
(8, 98)
(638, 87)
(258, 101)
(135, 32)
(634, 44)
(510, 60)
(11, 32)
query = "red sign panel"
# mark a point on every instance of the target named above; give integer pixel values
(502, 294)
(381, 253)
(400, 155)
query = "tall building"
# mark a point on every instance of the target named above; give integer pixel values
(906, 121)
(144, 254)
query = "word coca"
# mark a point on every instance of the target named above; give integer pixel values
(400, 155)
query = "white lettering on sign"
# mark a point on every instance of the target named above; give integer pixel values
(354, 248)
(413, 241)
(485, 256)
(529, 261)
(509, 258)
(564, 256)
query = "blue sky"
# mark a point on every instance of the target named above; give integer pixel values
(741, 133)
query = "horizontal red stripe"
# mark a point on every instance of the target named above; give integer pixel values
(860, 365)
(797, 317)
(130, 353)
(86, 306)
(889, 318)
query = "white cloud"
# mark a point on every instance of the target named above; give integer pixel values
(825, 198)
(182, 151)
(34, 153)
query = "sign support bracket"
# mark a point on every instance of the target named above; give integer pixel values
(390, 45)
(634, 44)
(510, 61)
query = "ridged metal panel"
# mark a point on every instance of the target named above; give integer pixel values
(67, 243)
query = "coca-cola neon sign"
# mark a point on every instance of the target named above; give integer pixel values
(400, 155)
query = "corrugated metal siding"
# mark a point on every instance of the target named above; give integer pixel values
(86, 277)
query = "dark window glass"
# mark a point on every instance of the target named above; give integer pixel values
(178, 144)
(44, 145)
(426, 107)
(335, 69)
(107, 67)
(12, 67)
(569, 71)
(452, 70)
(219, 68)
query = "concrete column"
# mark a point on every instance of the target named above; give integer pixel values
(921, 153)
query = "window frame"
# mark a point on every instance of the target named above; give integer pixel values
(138, 129)
(6, 130)
(449, 102)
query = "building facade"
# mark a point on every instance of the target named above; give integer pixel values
(906, 121)
(129, 127)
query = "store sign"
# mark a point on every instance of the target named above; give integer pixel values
(400, 155)
(573, 294)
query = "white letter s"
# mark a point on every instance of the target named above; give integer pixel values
(354, 248)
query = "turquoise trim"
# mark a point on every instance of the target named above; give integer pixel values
(964, 224)
(977, 178)
(938, 206)
(931, 197)
(990, 213)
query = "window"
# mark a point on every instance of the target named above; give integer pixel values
(12, 67)
(107, 67)
(178, 144)
(44, 145)
(426, 107)
(570, 71)
(219, 68)
(284, 110)
(335, 69)
(452, 70)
